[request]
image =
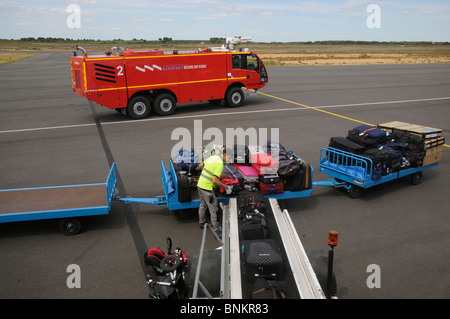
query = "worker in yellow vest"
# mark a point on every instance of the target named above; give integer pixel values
(211, 171)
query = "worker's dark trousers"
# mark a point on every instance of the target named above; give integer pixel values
(208, 201)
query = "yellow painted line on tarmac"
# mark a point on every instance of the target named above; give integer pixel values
(316, 109)
(321, 110)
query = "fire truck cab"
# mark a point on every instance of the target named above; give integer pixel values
(140, 82)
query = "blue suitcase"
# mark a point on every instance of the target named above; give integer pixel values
(378, 135)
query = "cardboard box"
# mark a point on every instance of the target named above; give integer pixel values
(434, 142)
(410, 128)
(432, 158)
(390, 126)
(434, 150)
(424, 132)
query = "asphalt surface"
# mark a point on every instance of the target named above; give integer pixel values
(51, 136)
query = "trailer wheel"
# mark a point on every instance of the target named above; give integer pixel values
(355, 191)
(235, 97)
(164, 104)
(416, 178)
(69, 226)
(138, 107)
(182, 214)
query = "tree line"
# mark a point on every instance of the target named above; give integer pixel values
(356, 42)
(222, 40)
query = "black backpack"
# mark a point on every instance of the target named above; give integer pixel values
(248, 202)
(253, 226)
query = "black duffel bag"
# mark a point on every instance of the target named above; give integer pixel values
(414, 143)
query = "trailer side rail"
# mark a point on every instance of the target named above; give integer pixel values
(356, 169)
(111, 183)
(345, 165)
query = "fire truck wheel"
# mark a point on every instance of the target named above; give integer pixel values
(235, 97)
(164, 104)
(139, 107)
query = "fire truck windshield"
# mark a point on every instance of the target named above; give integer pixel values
(250, 62)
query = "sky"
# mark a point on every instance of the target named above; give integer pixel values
(263, 20)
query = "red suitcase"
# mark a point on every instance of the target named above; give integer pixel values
(266, 189)
(264, 164)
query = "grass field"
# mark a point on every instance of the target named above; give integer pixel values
(286, 54)
(357, 55)
(10, 57)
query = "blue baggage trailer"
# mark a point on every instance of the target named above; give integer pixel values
(171, 197)
(355, 172)
(66, 203)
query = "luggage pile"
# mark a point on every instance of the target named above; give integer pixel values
(265, 167)
(257, 169)
(185, 162)
(261, 258)
(407, 132)
(392, 146)
(269, 169)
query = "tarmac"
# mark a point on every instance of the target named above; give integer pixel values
(51, 136)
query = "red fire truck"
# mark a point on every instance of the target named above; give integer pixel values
(138, 82)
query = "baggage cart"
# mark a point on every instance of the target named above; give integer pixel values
(171, 197)
(354, 172)
(66, 203)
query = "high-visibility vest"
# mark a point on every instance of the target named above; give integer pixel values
(213, 166)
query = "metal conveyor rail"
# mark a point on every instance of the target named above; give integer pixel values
(304, 275)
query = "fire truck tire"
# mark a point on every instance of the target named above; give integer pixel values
(235, 97)
(164, 104)
(139, 107)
